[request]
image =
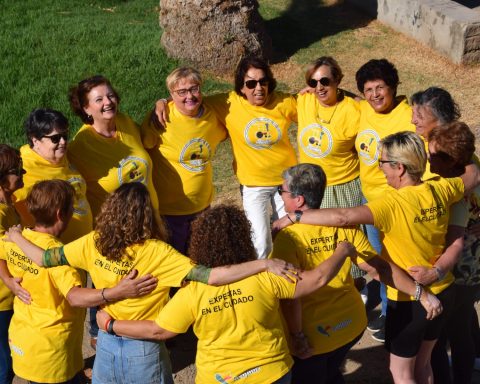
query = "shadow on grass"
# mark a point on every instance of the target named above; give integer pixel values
(306, 22)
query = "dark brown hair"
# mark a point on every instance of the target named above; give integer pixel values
(9, 160)
(377, 69)
(126, 218)
(456, 140)
(48, 197)
(253, 62)
(221, 236)
(43, 121)
(78, 95)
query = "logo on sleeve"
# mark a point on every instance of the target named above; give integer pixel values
(80, 204)
(262, 133)
(195, 155)
(132, 168)
(316, 141)
(367, 146)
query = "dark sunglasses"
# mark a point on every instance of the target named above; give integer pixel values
(325, 81)
(280, 190)
(55, 139)
(251, 84)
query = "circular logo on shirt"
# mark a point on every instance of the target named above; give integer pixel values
(80, 204)
(195, 155)
(316, 140)
(262, 133)
(367, 146)
(131, 169)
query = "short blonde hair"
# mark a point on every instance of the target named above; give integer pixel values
(183, 73)
(406, 148)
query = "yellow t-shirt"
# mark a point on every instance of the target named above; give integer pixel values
(46, 336)
(39, 169)
(374, 127)
(107, 163)
(239, 329)
(414, 221)
(182, 160)
(259, 135)
(329, 143)
(8, 218)
(154, 256)
(333, 315)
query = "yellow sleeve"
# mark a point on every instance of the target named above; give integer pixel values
(364, 249)
(280, 288)
(178, 314)
(382, 211)
(77, 252)
(65, 278)
(284, 248)
(148, 133)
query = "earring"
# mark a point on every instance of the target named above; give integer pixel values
(89, 117)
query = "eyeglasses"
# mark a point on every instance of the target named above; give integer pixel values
(325, 81)
(280, 190)
(251, 84)
(195, 90)
(55, 139)
(381, 162)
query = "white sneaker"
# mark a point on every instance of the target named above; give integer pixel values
(364, 294)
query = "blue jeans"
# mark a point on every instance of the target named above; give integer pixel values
(6, 372)
(121, 360)
(373, 235)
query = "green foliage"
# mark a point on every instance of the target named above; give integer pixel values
(48, 46)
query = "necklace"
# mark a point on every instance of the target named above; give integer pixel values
(331, 117)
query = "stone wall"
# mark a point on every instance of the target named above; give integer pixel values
(446, 26)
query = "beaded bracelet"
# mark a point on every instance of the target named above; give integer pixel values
(103, 295)
(418, 291)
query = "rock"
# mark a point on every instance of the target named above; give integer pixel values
(213, 34)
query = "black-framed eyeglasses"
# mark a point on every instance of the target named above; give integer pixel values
(251, 84)
(280, 190)
(55, 139)
(381, 162)
(195, 91)
(325, 81)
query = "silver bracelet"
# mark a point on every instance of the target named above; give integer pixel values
(418, 290)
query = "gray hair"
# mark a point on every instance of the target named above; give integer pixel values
(307, 180)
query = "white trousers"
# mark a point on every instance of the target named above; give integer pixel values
(256, 203)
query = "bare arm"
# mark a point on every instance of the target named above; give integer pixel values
(136, 329)
(130, 286)
(13, 283)
(34, 253)
(231, 273)
(471, 178)
(160, 113)
(330, 217)
(310, 281)
(393, 276)
(292, 313)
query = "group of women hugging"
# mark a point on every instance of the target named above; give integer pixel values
(131, 206)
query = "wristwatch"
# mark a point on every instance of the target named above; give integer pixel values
(298, 215)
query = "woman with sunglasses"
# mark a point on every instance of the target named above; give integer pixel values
(11, 175)
(182, 152)
(107, 149)
(413, 217)
(257, 118)
(44, 158)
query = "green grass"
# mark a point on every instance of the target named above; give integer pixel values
(48, 46)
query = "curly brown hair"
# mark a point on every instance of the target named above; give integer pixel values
(221, 236)
(126, 218)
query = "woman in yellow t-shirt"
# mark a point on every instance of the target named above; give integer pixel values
(107, 149)
(127, 236)
(327, 127)
(44, 158)
(239, 328)
(182, 153)
(11, 174)
(381, 113)
(413, 218)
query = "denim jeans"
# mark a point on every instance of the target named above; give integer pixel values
(121, 360)
(256, 204)
(6, 373)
